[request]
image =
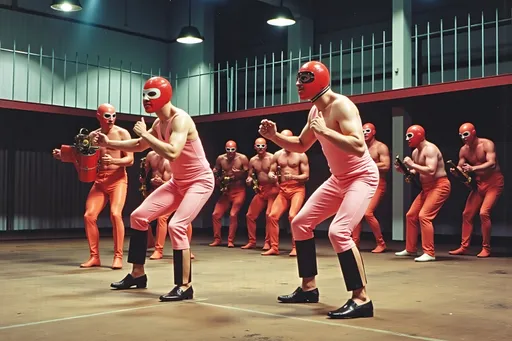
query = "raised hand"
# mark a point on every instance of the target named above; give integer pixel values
(267, 129)
(56, 154)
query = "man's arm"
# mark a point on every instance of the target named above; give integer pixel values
(217, 166)
(351, 139)
(131, 145)
(250, 169)
(490, 157)
(127, 159)
(430, 162)
(298, 144)
(304, 169)
(384, 159)
(273, 162)
(179, 133)
(167, 174)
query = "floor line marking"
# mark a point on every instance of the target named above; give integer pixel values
(334, 324)
(201, 301)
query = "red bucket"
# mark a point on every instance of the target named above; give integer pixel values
(88, 166)
(67, 153)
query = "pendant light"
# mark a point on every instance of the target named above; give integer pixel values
(282, 17)
(190, 34)
(66, 5)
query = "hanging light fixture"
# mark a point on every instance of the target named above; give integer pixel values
(282, 17)
(66, 5)
(190, 34)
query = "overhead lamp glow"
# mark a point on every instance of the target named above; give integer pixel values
(189, 35)
(282, 17)
(66, 5)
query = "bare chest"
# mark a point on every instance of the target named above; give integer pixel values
(291, 160)
(476, 156)
(228, 165)
(262, 164)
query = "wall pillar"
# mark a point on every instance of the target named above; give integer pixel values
(401, 78)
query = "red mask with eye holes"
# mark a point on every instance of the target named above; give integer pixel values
(467, 133)
(106, 114)
(369, 131)
(313, 80)
(415, 135)
(157, 93)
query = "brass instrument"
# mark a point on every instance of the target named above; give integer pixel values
(255, 183)
(145, 185)
(224, 181)
(83, 143)
(278, 173)
(465, 178)
(409, 177)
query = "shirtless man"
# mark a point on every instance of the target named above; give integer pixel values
(292, 177)
(173, 136)
(427, 160)
(111, 184)
(335, 122)
(478, 155)
(266, 192)
(234, 166)
(159, 170)
(380, 154)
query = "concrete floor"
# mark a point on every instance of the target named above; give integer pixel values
(44, 295)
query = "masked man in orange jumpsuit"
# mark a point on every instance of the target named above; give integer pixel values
(380, 154)
(426, 160)
(266, 191)
(291, 170)
(158, 169)
(478, 155)
(233, 168)
(111, 185)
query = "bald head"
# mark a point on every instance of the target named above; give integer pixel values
(287, 132)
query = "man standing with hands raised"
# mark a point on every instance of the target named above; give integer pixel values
(173, 136)
(334, 120)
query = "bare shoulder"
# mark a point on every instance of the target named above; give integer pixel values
(344, 108)
(382, 147)
(303, 157)
(270, 155)
(432, 149)
(123, 133)
(243, 157)
(487, 143)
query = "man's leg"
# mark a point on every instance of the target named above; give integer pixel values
(491, 197)
(270, 201)
(221, 207)
(355, 203)
(411, 227)
(117, 196)
(473, 202)
(278, 208)
(296, 201)
(193, 201)
(434, 200)
(372, 221)
(254, 210)
(161, 233)
(164, 200)
(237, 200)
(189, 236)
(322, 204)
(96, 201)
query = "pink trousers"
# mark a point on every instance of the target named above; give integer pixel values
(185, 198)
(346, 198)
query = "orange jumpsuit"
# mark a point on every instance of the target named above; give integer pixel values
(234, 196)
(292, 193)
(267, 194)
(484, 197)
(161, 233)
(423, 211)
(110, 185)
(372, 221)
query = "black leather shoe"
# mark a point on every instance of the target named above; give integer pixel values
(300, 296)
(351, 310)
(178, 294)
(129, 281)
